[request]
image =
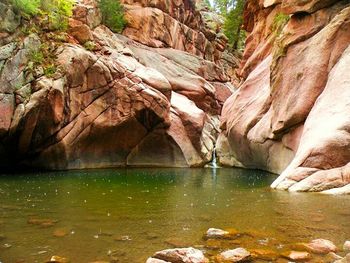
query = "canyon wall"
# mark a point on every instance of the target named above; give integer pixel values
(290, 116)
(149, 97)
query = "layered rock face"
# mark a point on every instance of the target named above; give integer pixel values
(149, 98)
(291, 114)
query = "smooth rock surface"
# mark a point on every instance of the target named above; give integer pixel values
(290, 114)
(120, 103)
(234, 255)
(216, 233)
(181, 255)
(321, 246)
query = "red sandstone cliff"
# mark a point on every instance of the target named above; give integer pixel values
(291, 114)
(149, 98)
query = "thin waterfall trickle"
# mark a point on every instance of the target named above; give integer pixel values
(213, 161)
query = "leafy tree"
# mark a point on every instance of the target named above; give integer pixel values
(233, 25)
(207, 3)
(113, 15)
(223, 6)
(232, 11)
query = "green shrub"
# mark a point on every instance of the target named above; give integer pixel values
(50, 70)
(90, 45)
(36, 56)
(279, 21)
(27, 7)
(58, 12)
(113, 15)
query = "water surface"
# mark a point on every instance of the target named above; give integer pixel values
(128, 214)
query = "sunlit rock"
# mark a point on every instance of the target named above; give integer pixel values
(155, 260)
(181, 255)
(346, 245)
(234, 255)
(321, 246)
(58, 259)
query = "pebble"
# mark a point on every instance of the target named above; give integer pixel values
(176, 242)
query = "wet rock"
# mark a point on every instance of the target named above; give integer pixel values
(151, 236)
(58, 259)
(346, 246)
(61, 232)
(213, 244)
(234, 255)
(42, 222)
(181, 255)
(216, 233)
(6, 245)
(321, 246)
(122, 238)
(297, 256)
(264, 254)
(176, 242)
(155, 260)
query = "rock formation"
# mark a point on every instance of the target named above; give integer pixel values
(290, 116)
(149, 98)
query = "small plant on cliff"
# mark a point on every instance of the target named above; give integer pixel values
(58, 12)
(113, 15)
(36, 56)
(27, 8)
(279, 21)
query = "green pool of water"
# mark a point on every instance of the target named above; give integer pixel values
(128, 214)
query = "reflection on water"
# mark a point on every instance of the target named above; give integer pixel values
(128, 214)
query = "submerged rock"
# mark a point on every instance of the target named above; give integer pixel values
(181, 255)
(216, 233)
(61, 232)
(176, 242)
(264, 254)
(44, 222)
(321, 246)
(297, 255)
(234, 255)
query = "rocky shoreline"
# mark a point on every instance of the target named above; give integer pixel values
(222, 246)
